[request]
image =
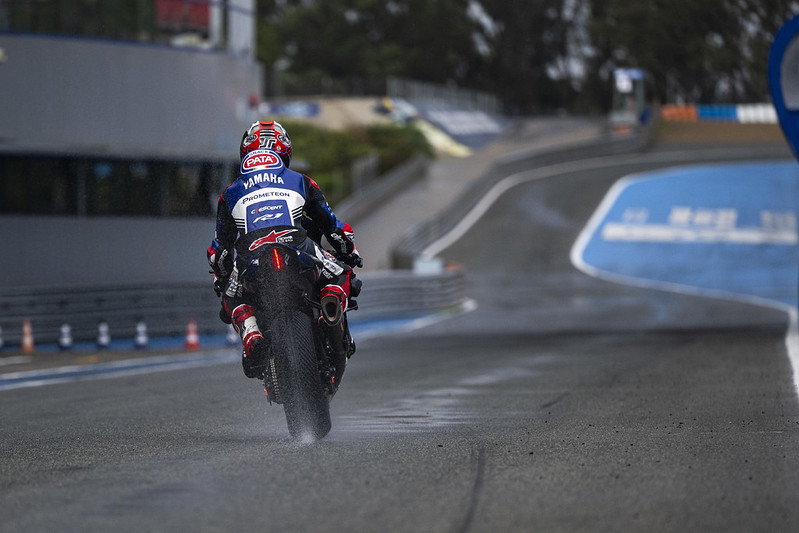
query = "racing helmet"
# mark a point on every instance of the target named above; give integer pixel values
(267, 135)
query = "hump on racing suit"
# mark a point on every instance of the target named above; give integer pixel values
(266, 194)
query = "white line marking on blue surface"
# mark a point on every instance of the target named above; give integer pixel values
(576, 256)
(616, 231)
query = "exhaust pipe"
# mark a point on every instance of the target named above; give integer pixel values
(333, 302)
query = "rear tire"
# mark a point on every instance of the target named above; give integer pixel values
(306, 405)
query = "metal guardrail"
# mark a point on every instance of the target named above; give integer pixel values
(167, 308)
(164, 308)
(398, 292)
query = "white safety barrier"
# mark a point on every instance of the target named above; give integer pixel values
(103, 335)
(140, 339)
(65, 337)
(756, 113)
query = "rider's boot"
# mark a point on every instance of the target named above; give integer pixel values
(253, 355)
(349, 342)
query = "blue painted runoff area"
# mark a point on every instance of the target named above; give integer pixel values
(728, 228)
(717, 112)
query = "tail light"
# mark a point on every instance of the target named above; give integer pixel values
(277, 259)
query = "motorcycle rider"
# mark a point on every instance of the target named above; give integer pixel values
(271, 203)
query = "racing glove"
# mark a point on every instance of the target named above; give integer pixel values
(343, 241)
(352, 259)
(221, 262)
(219, 285)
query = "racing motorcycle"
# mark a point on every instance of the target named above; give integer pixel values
(308, 342)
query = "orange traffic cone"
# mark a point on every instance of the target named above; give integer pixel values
(27, 337)
(192, 338)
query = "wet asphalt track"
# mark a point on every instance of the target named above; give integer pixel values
(563, 403)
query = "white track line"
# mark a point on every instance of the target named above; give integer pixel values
(505, 184)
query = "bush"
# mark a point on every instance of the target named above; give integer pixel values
(397, 144)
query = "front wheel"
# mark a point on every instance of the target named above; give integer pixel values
(307, 406)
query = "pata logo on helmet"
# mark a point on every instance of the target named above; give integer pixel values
(260, 161)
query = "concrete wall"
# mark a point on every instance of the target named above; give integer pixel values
(70, 251)
(89, 96)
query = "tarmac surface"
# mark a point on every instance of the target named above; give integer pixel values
(562, 402)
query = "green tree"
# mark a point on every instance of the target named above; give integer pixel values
(357, 40)
(524, 50)
(763, 19)
(708, 51)
(528, 40)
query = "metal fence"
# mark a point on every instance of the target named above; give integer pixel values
(166, 309)
(402, 292)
